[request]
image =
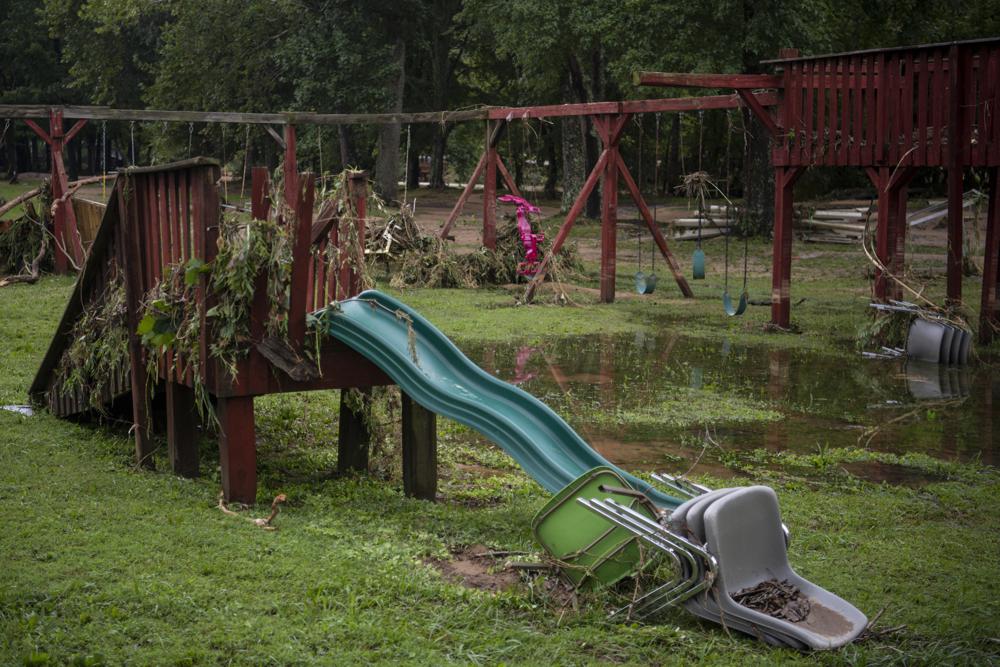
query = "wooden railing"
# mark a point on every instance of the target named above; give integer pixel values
(922, 106)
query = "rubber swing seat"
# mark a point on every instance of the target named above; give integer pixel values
(645, 284)
(727, 303)
(698, 264)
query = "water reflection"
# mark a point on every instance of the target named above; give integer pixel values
(824, 399)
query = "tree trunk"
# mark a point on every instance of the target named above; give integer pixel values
(574, 159)
(387, 163)
(346, 142)
(672, 171)
(552, 176)
(440, 144)
(758, 197)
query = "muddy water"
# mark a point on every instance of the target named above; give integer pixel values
(824, 400)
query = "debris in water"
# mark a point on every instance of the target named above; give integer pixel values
(779, 599)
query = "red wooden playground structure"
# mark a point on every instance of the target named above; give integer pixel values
(890, 112)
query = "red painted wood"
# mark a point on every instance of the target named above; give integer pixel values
(358, 184)
(906, 125)
(182, 429)
(129, 206)
(762, 114)
(869, 107)
(822, 145)
(857, 118)
(237, 449)
(893, 109)
(260, 196)
(989, 312)
(661, 242)
(938, 108)
(808, 113)
(464, 197)
(505, 175)
(290, 169)
(884, 238)
(923, 103)
(298, 286)
(609, 225)
(843, 107)
(795, 126)
(991, 114)
(574, 212)
(781, 256)
(968, 102)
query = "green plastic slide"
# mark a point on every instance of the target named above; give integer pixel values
(435, 374)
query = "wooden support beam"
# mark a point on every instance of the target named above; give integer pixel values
(989, 312)
(679, 80)
(609, 212)
(574, 212)
(508, 181)
(237, 449)
(762, 114)
(884, 233)
(278, 139)
(353, 438)
(661, 242)
(464, 197)
(956, 216)
(419, 450)
(182, 429)
(781, 257)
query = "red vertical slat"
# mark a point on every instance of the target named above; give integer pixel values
(843, 94)
(892, 109)
(968, 101)
(881, 106)
(909, 73)
(923, 77)
(786, 110)
(974, 88)
(821, 144)
(310, 302)
(807, 113)
(939, 106)
(857, 100)
(870, 153)
(794, 126)
(163, 222)
(994, 79)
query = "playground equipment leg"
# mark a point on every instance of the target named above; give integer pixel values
(354, 439)
(955, 216)
(237, 449)
(490, 194)
(781, 256)
(609, 224)
(419, 450)
(989, 313)
(182, 432)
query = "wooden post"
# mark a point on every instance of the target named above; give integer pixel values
(956, 138)
(884, 236)
(182, 431)
(989, 312)
(490, 194)
(781, 256)
(354, 438)
(419, 450)
(290, 169)
(300, 260)
(955, 217)
(237, 449)
(899, 227)
(609, 220)
(128, 204)
(67, 236)
(260, 193)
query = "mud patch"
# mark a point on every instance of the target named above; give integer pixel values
(476, 567)
(892, 473)
(827, 622)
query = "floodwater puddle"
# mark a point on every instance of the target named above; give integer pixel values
(646, 401)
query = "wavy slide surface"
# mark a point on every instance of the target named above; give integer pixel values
(427, 366)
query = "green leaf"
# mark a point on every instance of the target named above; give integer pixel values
(146, 325)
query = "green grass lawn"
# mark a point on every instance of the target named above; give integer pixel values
(106, 564)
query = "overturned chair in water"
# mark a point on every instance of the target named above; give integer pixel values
(724, 547)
